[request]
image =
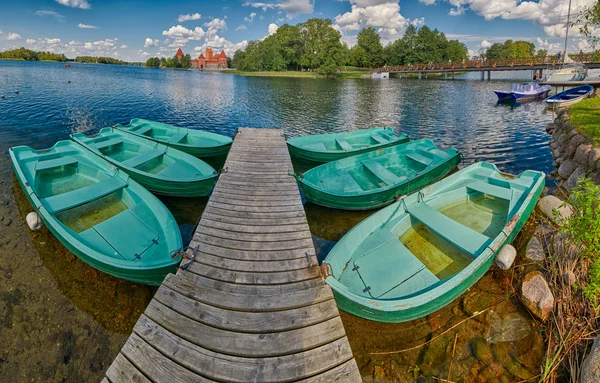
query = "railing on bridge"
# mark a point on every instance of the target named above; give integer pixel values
(493, 63)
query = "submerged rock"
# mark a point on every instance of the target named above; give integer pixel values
(510, 328)
(574, 179)
(535, 251)
(506, 256)
(590, 370)
(481, 350)
(567, 168)
(537, 295)
(550, 203)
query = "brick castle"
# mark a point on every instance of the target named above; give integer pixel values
(210, 61)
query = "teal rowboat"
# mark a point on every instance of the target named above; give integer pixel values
(159, 168)
(335, 146)
(377, 178)
(97, 212)
(195, 142)
(419, 254)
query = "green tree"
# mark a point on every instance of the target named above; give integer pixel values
(541, 53)
(290, 45)
(358, 56)
(496, 51)
(588, 20)
(455, 51)
(322, 46)
(370, 42)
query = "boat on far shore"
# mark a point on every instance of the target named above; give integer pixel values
(380, 75)
(569, 96)
(524, 92)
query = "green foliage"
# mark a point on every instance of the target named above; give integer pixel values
(583, 229)
(584, 117)
(370, 43)
(153, 62)
(184, 63)
(98, 60)
(541, 53)
(588, 20)
(510, 50)
(29, 55)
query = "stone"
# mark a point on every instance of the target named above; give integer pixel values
(582, 154)
(481, 350)
(509, 328)
(569, 278)
(506, 256)
(573, 180)
(574, 142)
(550, 203)
(556, 153)
(33, 221)
(6, 221)
(593, 158)
(535, 251)
(537, 295)
(595, 177)
(590, 369)
(549, 128)
(567, 168)
(563, 248)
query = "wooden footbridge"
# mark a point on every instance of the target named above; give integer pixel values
(252, 306)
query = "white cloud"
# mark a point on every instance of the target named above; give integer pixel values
(193, 16)
(182, 35)
(485, 44)
(272, 28)
(386, 18)
(241, 28)
(291, 7)
(83, 4)
(250, 17)
(1, 33)
(123, 46)
(13, 36)
(427, 2)
(150, 43)
(545, 44)
(29, 41)
(86, 26)
(215, 25)
(220, 43)
(56, 15)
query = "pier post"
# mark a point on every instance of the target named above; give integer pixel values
(445, 75)
(541, 74)
(426, 74)
(482, 75)
(489, 74)
(419, 75)
(452, 75)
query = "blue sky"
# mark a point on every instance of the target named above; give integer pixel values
(135, 30)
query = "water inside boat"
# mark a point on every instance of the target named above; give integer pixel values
(86, 216)
(137, 156)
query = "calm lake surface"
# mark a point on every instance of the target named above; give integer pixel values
(60, 320)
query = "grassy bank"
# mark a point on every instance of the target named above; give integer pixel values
(585, 117)
(349, 74)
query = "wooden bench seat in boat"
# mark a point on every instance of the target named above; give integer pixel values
(402, 270)
(492, 190)
(461, 236)
(54, 163)
(419, 158)
(317, 146)
(344, 144)
(143, 158)
(65, 201)
(142, 130)
(382, 173)
(177, 137)
(343, 182)
(107, 143)
(379, 138)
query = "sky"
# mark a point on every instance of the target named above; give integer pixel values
(134, 30)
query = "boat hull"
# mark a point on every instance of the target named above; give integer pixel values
(570, 97)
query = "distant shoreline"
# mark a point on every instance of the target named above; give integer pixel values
(298, 74)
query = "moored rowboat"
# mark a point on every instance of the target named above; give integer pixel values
(377, 178)
(97, 212)
(334, 146)
(416, 256)
(569, 96)
(159, 168)
(195, 142)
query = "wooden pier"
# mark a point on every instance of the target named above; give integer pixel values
(253, 306)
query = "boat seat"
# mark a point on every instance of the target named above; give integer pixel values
(107, 143)
(379, 138)
(492, 190)
(344, 144)
(55, 163)
(419, 158)
(141, 130)
(177, 137)
(463, 237)
(401, 270)
(143, 158)
(382, 173)
(65, 201)
(387, 136)
(342, 182)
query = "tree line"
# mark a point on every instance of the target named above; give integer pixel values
(174, 62)
(29, 55)
(99, 60)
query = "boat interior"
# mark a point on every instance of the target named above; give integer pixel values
(170, 134)
(349, 143)
(376, 171)
(89, 201)
(571, 95)
(432, 240)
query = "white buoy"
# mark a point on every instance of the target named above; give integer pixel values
(506, 257)
(16, 91)
(34, 221)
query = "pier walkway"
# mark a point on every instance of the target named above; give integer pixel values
(252, 307)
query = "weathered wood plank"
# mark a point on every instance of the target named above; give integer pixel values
(256, 222)
(256, 246)
(241, 228)
(261, 204)
(253, 266)
(346, 372)
(244, 344)
(254, 198)
(250, 186)
(122, 371)
(250, 193)
(220, 367)
(252, 255)
(254, 278)
(253, 237)
(246, 302)
(254, 209)
(248, 214)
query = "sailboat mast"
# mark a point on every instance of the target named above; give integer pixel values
(567, 32)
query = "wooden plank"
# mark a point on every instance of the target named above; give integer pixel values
(250, 198)
(226, 368)
(254, 209)
(245, 302)
(254, 278)
(244, 177)
(259, 193)
(256, 222)
(346, 372)
(252, 255)
(244, 344)
(260, 215)
(155, 365)
(275, 186)
(253, 237)
(253, 266)
(242, 228)
(255, 246)
(275, 182)
(246, 322)
(122, 371)
(262, 204)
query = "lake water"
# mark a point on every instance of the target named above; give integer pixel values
(63, 321)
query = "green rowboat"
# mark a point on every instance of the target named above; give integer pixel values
(334, 146)
(159, 168)
(97, 212)
(195, 142)
(416, 256)
(377, 178)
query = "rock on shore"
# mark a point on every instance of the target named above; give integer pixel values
(590, 370)
(537, 296)
(550, 203)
